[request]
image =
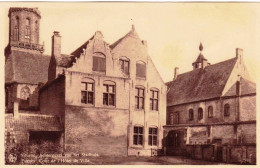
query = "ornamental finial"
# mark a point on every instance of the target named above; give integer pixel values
(201, 46)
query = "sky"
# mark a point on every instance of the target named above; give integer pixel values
(173, 31)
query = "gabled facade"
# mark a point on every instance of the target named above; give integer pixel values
(111, 99)
(213, 106)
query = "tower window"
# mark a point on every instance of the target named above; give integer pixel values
(226, 110)
(16, 29)
(27, 31)
(25, 93)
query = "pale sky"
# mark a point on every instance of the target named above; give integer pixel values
(173, 31)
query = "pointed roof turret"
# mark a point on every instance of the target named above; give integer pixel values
(201, 61)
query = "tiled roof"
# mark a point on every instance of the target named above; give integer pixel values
(247, 87)
(79, 50)
(32, 122)
(25, 67)
(65, 60)
(200, 84)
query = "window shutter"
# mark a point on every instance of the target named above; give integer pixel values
(141, 70)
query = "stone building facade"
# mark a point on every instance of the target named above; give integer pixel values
(101, 98)
(211, 110)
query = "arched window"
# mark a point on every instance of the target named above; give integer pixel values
(154, 99)
(87, 91)
(200, 113)
(171, 118)
(25, 93)
(124, 65)
(191, 114)
(109, 93)
(210, 112)
(139, 97)
(16, 29)
(99, 62)
(140, 69)
(36, 32)
(226, 110)
(27, 30)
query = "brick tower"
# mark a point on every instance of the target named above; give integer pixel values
(24, 30)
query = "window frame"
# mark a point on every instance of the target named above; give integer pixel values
(86, 92)
(98, 56)
(171, 118)
(139, 97)
(137, 73)
(124, 61)
(154, 99)
(191, 111)
(210, 112)
(226, 110)
(140, 136)
(107, 85)
(27, 36)
(154, 136)
(200, 113)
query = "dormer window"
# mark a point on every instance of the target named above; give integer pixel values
(27, 31)
(124, 65)
(99, 62)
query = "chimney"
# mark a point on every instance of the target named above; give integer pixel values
(176, 72)
(239, 53)
(56, 44)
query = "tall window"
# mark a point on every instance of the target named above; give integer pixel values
(109, 94)
(152, 137)
(176, 117)
(210, 112)
(37, 32)
(191, 114)
(200, 113)
(154, 99)
(171, 118)
(27, 30)
(16, 29)
(139, 98)
(226, 110)
(140, 69)
(25, 93)
(138, 136)
(124, 65)
(87, 92)
(99, 62)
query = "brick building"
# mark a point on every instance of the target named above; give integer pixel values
(101, 98)
(211, 111)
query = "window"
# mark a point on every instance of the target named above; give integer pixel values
(176, 117)
(25, 93)
(109, 94)
(140, 69)
(154, 100)
(99, 62)
(37, 32)
(200, 113)
(171, 118)
(27, 30)
(124, 65)
(210, 112)
(138, 135)
(191, 114)
(152, 137)
(87, 92)
(139, 98)
(226, 110)
(16, 29)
